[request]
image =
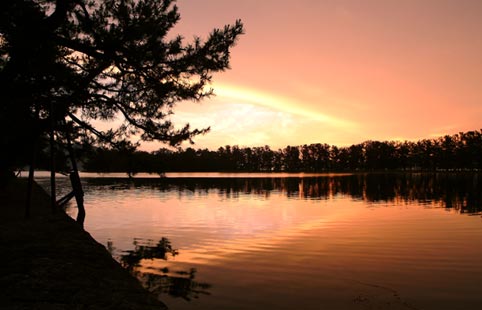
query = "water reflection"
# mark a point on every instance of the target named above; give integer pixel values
(317, 242)
(160, 280)
(132, 258)
(458, 191)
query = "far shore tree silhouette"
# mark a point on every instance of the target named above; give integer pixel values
(461, 152)
(66, 63)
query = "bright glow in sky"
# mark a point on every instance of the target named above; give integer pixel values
(339, 71)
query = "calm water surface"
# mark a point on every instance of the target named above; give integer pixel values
(281, 241)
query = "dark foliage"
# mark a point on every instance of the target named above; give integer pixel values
(132, 259)
(462, 151)
(160, 281)
(66, 63)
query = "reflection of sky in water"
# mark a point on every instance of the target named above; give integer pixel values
(325, 243)
(192, 219)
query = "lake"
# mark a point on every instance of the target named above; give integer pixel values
(294, 241)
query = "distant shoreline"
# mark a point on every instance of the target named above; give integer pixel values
(237, 174)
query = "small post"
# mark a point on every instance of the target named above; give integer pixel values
(53, 199)
(29, 189)
(31, 169)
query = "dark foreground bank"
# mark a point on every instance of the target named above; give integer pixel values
(49, 262)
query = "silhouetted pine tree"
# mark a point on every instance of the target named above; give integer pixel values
(66, 63)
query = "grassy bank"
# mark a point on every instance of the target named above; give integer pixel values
(49, 262)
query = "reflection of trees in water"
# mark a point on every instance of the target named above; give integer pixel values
(460, 191)
(161, 281)
(132, 258)
(179, 284)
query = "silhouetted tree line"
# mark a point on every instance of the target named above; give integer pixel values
(462, 151)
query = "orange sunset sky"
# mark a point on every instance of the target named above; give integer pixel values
(339, 71)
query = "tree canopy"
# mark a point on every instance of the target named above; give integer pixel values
(66, 63)
(458, 152)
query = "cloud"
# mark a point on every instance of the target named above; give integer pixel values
(236, 123)
(278, 103)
